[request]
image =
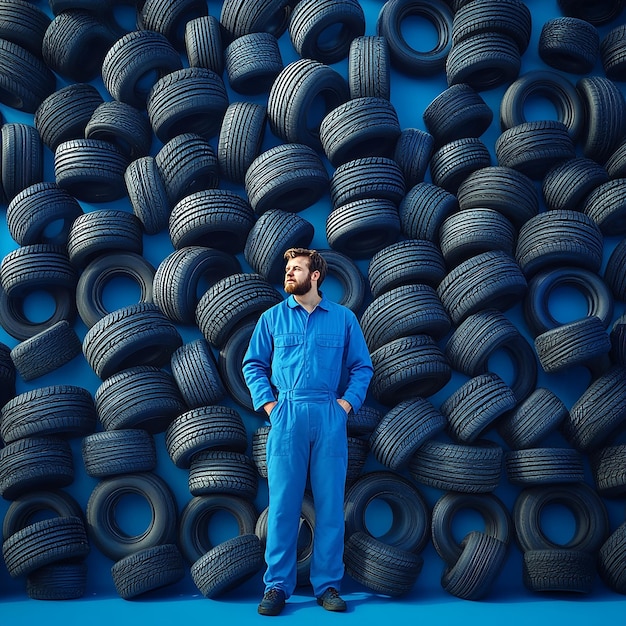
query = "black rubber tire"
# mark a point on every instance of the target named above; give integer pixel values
(412, 153)
(75, 44)
(204, 428)
(229, 364)
(457, 112)
(478, 567)
(114, 452)
(306, 537)
(45, 542)
(203, 43)
(404, 57)
(290, 177)
(95, 277)
(196, 517)
(58, 581)
(38, 462)
(408, 367)
(131, 58)
(52, 410)
(64, 114)
(536, 309)
(361, 127)
(182, 274)
(559, 238)
(503, 189)
(369, 67)
(240, 139)
(497, 280)
(552, 86)
(443, 464)
(567, 185)
(611, 559)
(618, 341)
(411, 261)
(493, 511)
(228, 565)
(138, 334)
(138, 397)
(590, 515)
(37, 207)
(194, 368)
(22, 158)
(364, 421)
(612, 53)
(240, 17)
(25, 80)
(616, 163)
(582, 342)
(483, 61)
(423, 209)
(606, 116)
(103, 231)
(608, 470)
(147, 194)
(187, 164)
(24, 24)
(188, 100)
(402, 430)
(223, 471)
(532, 420)
(407, 310)
(480, 336)
(169, 17)
(361, 228)
(290, 110)
(569, 44)
(410, 526)
(598, 13)
(102, 524)
(541, 466)
(122, 125)
(606, 206)
(605, 399)
(351, 280)
(91, 170)
(46, 351)
(533, 147)
(147, 570)
(383, 569)
(215, 218)
(614, 271)
(8, 376)
(558, 570)
(27, 508)
(237, 299)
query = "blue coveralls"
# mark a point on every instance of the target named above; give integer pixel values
(306, 361)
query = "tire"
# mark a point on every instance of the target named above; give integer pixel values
(146, 570)
(101, 512)
(97, 275)
(403, 56)
(369, 67)
(22, 158)
(474, 468)
(612, 53)
(203, 43)
(410, 525)
(194, 368)
(170, 18)
(571, 571)
(596, 14)
(253, 62)
(46, 351)
(609, 473)
(240, 17)
(227, 565)
(24, 25)
(611, 559)
(229, 364)
(138, 397)
(379, 567)
(223, 471)
(614, 275)
(58, 581)
(606, 206)
(541, 466)
(569, 44)
(592, 526)
(138, 334)
(350, 279)
(204, 428)
(408, 367)
(115, 452)
(412, 153)
(196, 518)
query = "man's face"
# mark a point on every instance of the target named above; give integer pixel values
(297, 276)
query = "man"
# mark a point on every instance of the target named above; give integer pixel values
(307, 366)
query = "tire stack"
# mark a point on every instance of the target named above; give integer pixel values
(222, 135)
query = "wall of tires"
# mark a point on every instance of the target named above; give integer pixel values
(463, 167)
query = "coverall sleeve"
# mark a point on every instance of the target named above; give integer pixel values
(359, 366)
(257, 365)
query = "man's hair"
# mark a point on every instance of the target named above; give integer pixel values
(316, 261)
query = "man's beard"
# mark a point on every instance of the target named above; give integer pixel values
(298, 289)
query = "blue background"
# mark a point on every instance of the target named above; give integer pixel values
(508, 600)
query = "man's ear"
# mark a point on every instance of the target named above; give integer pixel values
(315, 275)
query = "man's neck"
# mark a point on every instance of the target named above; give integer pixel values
(309, 300)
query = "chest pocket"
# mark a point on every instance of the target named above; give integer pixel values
(288, 350)
(329, 351)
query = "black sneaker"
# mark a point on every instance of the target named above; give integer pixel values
(331, 600)
(273, 602)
